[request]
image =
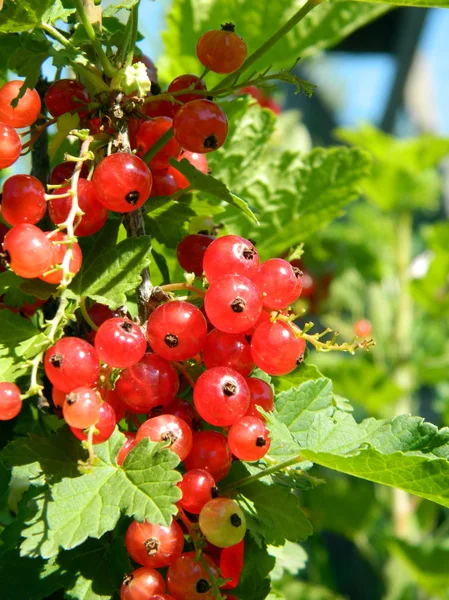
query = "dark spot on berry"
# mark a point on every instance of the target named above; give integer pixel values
(203, 232)
(171, 340)
(211, 142)
(300, 360)
(261, 442)
(229, 389)
(72, 398)
(126, 326)
(228, 27)
(128, 579)
(298, 273)
(236, 521)
(151, 546)
(249, 253)
(238, 305)
(214, 492)
(169, 436)
(132, 197)
(56, 360)
(209, 171)
(202, 586)
(248, 338)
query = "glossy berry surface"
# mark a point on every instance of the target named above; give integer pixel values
(164, 182)
(63, 172)
(66, 95)
(182, 83)
(187, 579)
(149, 133)
(71, 363)
(197, 487)
(233, 304)
(10, 401)
(177, 330)
(200, 126)
(105, 425)
(113, 398)
(120, 343)
(95, 214)
(159, 108)
(123, 182)
(221, 396)
(170, 429)
(191, 251)
(248, 439)
(10, 146)
(279, 283)
(261, 395)
(154, 546)
(152, 382)
(231, 565)
(199, 161)
(99, 313)
(58, 397)
(141, 584)
(275, 348)
(222, 522)
(28, 107)
(127, 447)
(60, 249)
(30, 252)
(23, 200)
(228, 350)
(210, 451)
(81, 407)
(184, 410)
(221, 51)
(230, 254)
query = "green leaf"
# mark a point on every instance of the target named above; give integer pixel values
(22, 15)
(57, 12)
(19, 339)
(254, 582)
(28, 55)
(290, 558)
(64, 125)
(110, 10)
(423, 3)
(38, 288)
(30, 578)
(168, 223)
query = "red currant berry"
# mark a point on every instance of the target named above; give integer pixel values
(120, 343)
(191, 252)
(231, 565)
(60, 249)
(164, 182)
(199, 161)
(66, 95)
(229, 255)
(221, 51)
(27, 110)
(221, 396)
(149, 133)
(142, 584)
(263, 318)
(154, 546)
(30, 252)
(261, 395)
(81, 407)
(279, 283)
(163, 597)
(153, 381)
(177, 330)
(200, 126)
(64, 171)
(95, 214)
(71, 363)
(363, 328)
(127, 447)
(182, 83)
(106, 424)
(151, 67)
(197, 487)
(159, 108)
(113, 398)
(262, 98)
(210, 451)
(170, 429)
(123, 182)
(233, 304)
(23, 200)
(10, 401)
(248, 439)
(184, 410)
(187, 579)
(99, 313)
(222, 522)
(10, 146)
(275, 348)
(58, 397)
(228, 350)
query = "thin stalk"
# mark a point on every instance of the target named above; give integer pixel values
(134, 31)
(168, 135)
(86, 314)
(274, 469)
(176, 287)
(121, 54)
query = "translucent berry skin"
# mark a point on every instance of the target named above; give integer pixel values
(127, 447)
(165, 597)
(95, 214)
(230, 254)
(188, 580)
(231, 565)
(123, 182)
(222, 522)
(106, 424)
(64, 171)
(71, 363)
(27, 110)
(177, 330)
(149, 133)
(66, 95)
(81, 407)
(233, 304)
(142, 584)
(184, 410)
(164, 182)
(113, 398)
(221, 396)
(197, 487)
(168, 428)
(275, 348)
(210, 451)
(154, 546)
(221, 51)
(191, 251)
(363, 328)
(120, 343)
(152, 382)
(200, 126)
(30, 252)
(59, 252)
(10, 146)
(278, 282)
(261, 395)
(58, 397)
(10, 401)
(99, 313)
(23, 200)
(182, 83)
(159, 108)
(199, 161)
(228, 350)
(248, 439)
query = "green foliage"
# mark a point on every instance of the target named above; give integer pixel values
(23, 15)
(254, 582)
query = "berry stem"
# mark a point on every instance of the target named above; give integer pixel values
(123, 50)
(182, 369)
(158, 145)
(269, 471)
(134, 16)
(174, 287)
(85, 314)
